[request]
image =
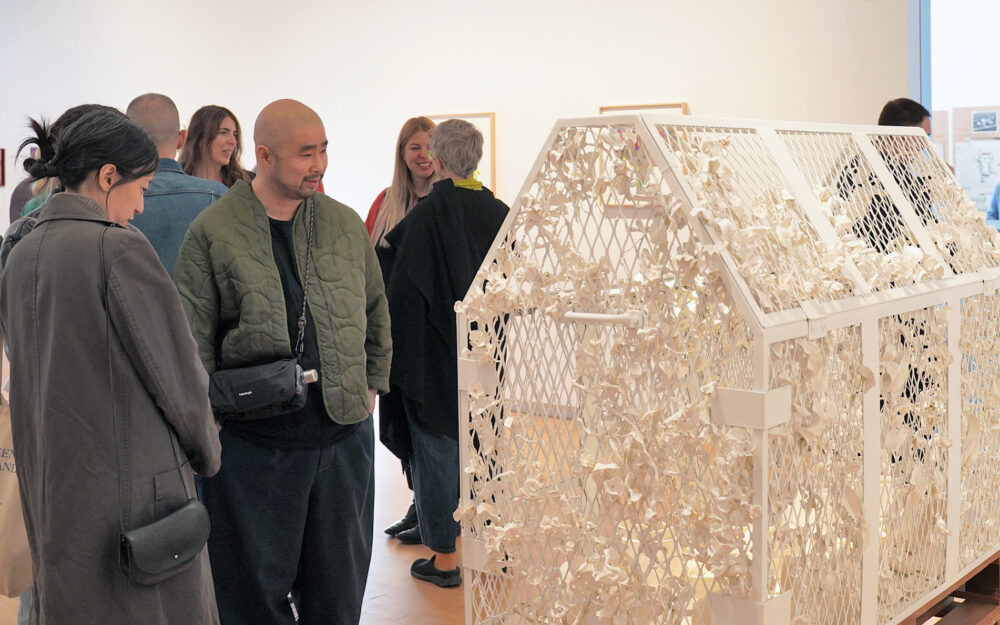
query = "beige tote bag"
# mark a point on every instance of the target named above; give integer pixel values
(15, 560)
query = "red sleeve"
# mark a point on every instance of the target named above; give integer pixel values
(373, 212)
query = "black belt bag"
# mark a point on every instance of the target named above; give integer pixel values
(258, 392)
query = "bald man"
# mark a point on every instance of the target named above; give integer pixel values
(173, 198)
(292, 506)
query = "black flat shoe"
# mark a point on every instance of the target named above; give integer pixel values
(407, 522)
(410, 536)
(424, 570)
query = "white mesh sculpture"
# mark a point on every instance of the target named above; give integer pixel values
(729, 373)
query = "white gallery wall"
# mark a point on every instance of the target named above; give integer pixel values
(366, 66)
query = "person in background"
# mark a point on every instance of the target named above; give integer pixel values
(112, 340)
(173, 198)
(292, 508)
(993, 212)
(41, 190)
(881, 226)
(214, 146)
(411, 181)
(437, 250)
(19, 197)
(905, 112)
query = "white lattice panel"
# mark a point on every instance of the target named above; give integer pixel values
(827, 288)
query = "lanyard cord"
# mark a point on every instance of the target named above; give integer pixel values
(300, 343)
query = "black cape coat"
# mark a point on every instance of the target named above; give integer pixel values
(437, 250)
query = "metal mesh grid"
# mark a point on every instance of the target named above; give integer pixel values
(534, 337)
(613, 509)
(980, 512)
(859, 209)
(601, 490)
(596, 479)
(816, 487)
(913, 369)
(742, 190)
(586, 214)
(491, 598)
(955, 225)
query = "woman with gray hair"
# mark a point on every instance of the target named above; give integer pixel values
(437, 249)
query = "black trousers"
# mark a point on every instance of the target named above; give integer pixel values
(296, 521)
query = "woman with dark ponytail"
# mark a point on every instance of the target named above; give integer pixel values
(109, 401)
(43, 186)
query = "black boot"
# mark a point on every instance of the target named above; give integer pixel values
(407, 522)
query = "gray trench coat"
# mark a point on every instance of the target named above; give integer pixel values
(69, 451)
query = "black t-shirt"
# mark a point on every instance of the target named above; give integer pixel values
(310, 427)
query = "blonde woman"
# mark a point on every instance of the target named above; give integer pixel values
(411, 181)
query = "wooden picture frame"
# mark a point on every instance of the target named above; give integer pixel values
(665, 107)
(487, 124)
(626, 209)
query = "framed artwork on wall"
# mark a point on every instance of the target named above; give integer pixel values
(975, 141)
(673, 108)
(984, 121)
(486, 123)
(3, 167)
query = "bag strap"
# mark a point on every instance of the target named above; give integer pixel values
(300, 343)
(3, 354)
(124, 477)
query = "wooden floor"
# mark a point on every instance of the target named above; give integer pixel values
(8, 611)
(392, 595)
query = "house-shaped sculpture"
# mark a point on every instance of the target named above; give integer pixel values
(730, 372)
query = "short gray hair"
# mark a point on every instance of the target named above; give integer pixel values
(458, 145)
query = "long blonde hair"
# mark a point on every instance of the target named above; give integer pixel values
(401, 195)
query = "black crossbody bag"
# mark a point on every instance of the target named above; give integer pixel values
(159, 550)
(273, 388)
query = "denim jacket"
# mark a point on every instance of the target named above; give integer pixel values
(171, 203)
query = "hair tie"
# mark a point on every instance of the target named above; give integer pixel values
(40, 170)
